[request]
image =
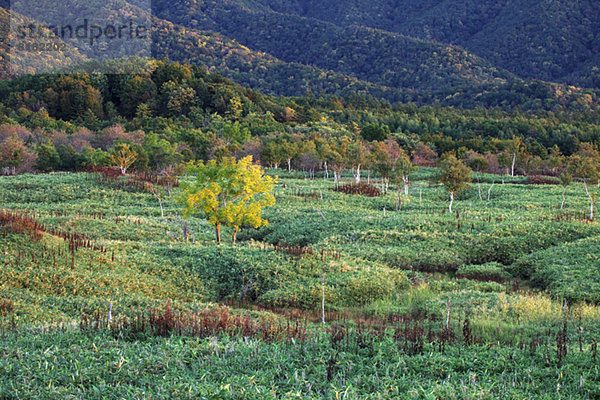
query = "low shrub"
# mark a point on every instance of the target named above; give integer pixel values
(542, 180)
(491, 271)
(359, 188)
(166, 321)
(7, 306)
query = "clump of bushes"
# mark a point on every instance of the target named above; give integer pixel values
(20, 223)
(569, 271)
(542, 180)
(444, 285)
(7, 306)
(342, 289)
(166, 321)
(491, 271)
(359, 188)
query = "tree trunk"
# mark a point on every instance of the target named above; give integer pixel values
(591, 201)
(357, 176)
(289, 162)
(218, 231)
(451, 200)
(563, 198)
(234, 237)
(322, 297)
(490, 191)
(186, 231)
(512, 167)
(157, 195)
(326, 171)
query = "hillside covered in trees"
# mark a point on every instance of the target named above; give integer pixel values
(181, 112)
(446, 53)
(548, 40)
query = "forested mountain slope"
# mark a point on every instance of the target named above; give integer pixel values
(213, 50)
(289, 48)
(367, 54)
(549, 39)
(10, 62)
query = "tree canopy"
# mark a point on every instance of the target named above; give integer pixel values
(455, 175)
(229, 193)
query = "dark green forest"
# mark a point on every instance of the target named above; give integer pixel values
(549, 40)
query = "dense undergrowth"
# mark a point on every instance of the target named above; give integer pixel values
(508, 274)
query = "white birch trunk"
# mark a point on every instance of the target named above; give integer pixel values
(490, 191)
(323, 298)
(512, 168)
(591, 201)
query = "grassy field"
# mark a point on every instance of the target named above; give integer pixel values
(494, 300)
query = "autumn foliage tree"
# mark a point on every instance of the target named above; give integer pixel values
(229, 193)
(455, 175)
(384, 156)
(14, 155)
(565, 180)
(515, 148)
(357, 155)
(585, 165)
(403, 169)
(122, 156)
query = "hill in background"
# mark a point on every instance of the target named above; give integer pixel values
(453, 53)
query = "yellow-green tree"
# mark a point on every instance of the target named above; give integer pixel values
(403, 168)
(515, 148)
(122, 156)
(229, 193)
(585, 165)
(455, 175)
